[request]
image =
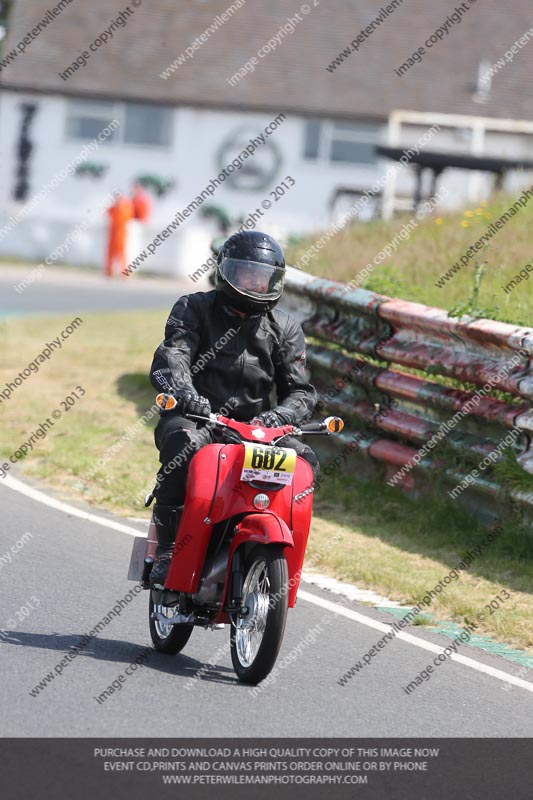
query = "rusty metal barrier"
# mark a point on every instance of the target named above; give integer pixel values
(400, 417)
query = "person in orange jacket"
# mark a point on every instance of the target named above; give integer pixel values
(119, 215)
(142, 204)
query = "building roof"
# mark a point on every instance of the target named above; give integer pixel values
(294, 78)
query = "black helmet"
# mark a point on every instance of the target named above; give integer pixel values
(251, 271)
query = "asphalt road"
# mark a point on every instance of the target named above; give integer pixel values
(64, 290)
(72, 571)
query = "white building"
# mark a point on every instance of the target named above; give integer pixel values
(185, 123)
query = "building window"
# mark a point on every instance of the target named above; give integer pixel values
(312, 139)
(146, 124)
(85, 119)
(341, 142)
(140, 123)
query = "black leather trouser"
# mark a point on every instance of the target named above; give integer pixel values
(178, 439)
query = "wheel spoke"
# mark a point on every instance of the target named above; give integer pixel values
(249, 631)
(163, 630)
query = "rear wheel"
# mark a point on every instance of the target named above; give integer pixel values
(255, 639)
(166, 638)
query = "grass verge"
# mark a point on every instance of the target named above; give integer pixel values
(402, 548)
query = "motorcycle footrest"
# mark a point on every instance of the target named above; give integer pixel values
(179, 619)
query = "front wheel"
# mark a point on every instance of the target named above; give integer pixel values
(166, 638)
(256, 638)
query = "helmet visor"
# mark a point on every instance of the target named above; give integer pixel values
(260, 281)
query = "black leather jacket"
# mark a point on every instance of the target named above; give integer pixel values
(234, 361)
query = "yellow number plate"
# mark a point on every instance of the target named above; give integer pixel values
(265, 463)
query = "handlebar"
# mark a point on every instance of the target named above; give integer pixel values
(329, 425)
(325, 427)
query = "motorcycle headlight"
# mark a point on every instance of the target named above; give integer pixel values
(261, 501)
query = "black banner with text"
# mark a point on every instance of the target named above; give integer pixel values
(277, 768)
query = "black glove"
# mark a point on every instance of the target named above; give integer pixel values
(270, 419)
(188, 401)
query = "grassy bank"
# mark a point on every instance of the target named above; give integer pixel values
(383, 541)
(431, 249)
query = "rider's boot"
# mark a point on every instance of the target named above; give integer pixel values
(166, 519)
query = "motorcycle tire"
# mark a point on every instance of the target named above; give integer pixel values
(255, 640)
(172, 640)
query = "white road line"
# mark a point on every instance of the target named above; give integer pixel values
(349, 590)
(407, 637)
(41, 497)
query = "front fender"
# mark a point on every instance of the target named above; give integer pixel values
(261, 528)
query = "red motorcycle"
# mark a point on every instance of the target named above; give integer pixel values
(240, 544)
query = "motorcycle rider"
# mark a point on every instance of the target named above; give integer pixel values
(224, 351)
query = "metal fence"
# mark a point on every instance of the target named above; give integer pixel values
(425, 422)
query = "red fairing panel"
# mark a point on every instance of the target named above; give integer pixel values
(302, 509)
(193, 533)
